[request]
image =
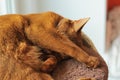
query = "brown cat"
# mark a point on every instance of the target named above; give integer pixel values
(23, 37)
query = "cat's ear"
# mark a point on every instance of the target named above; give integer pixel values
(78, 24)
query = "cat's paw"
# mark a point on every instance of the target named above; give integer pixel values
(49, 64)
(93, 62)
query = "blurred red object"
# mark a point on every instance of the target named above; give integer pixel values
(112, 3)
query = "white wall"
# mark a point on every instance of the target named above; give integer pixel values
(3, 9)
(73, 9)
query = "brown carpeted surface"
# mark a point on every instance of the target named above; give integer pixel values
(74, 70)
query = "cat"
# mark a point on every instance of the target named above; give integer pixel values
(24, 37)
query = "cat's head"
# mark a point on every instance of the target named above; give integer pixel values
(71, 27)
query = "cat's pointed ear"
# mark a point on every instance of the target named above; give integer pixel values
(78, 24)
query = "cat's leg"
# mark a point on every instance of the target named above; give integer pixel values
(49, 63)
(52, 40)
(33, 57)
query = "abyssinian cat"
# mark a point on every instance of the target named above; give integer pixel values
(24, 37)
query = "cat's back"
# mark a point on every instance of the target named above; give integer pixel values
(45, 18)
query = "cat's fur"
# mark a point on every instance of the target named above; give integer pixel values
(22, 39)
